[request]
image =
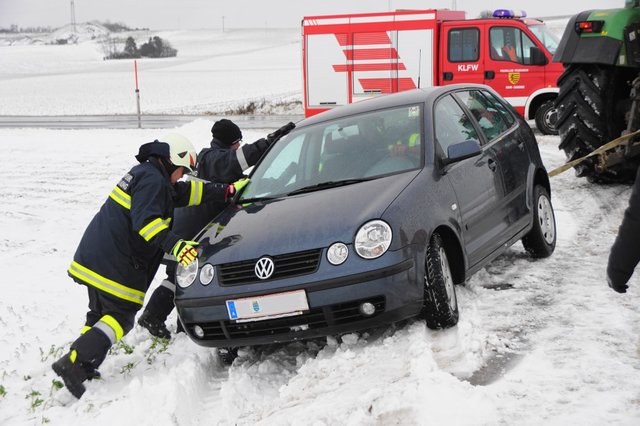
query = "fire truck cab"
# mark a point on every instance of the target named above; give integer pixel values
(347, 58)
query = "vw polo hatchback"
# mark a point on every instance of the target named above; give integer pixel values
(366, 215)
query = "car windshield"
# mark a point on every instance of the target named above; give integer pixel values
(546, 37)
(340, 152)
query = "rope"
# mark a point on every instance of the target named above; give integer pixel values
(610, 145)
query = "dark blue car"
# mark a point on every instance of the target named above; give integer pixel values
(369, 214)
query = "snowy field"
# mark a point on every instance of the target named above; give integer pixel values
(538, 343)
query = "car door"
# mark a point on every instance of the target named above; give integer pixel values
(499, 130)
(476, 181)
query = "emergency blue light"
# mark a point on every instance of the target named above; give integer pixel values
(506, 13)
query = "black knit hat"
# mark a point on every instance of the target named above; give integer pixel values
(226, 131)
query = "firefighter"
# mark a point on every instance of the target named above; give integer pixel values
(625, 252)
(508, 51)
(224, 161)
(121, 249)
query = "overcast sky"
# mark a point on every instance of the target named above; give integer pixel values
(192, 14)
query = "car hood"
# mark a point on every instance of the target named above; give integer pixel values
(300, 222)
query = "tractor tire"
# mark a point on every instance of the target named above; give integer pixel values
(591, 107)
(440, 300)
(546, 118)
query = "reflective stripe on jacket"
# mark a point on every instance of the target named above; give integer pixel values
(122, 247)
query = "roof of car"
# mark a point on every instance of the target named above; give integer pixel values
(428, 95)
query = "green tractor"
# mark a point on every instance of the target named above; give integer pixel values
(599, 97)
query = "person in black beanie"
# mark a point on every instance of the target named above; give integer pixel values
(625, 252)
(224, 161)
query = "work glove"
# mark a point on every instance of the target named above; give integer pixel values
(620, 288)
(233, 188)
(282, 131)
(185, 252)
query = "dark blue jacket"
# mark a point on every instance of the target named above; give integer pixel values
(123, 245)
(625, 252)
(217, 164)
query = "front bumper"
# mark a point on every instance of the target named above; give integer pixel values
(334, 308)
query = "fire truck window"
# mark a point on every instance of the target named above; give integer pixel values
(464, 45)
(510, 44)
(491, 121)
(452, 125)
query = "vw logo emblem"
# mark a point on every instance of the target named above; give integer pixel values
(264, 268)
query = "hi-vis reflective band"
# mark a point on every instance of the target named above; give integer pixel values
(244, 165)
(105, 284)
(197, 188)
(109, 326)
(168, 284)
(85, 329)
(121, 197)
(152, 228)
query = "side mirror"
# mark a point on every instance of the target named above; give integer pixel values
(537, 56)
(461, 151)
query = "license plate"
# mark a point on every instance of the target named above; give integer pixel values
(266, 307)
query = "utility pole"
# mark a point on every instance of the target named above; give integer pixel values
(223, 24)
(453, 5)
(73, 17)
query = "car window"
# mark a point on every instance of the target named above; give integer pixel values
(491, 121)
(451, 124)
(505, 109)
(364, 146)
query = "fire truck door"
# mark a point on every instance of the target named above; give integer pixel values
(460, 54)
(327, 79)
(508, 66)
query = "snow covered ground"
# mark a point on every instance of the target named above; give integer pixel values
(544, 342)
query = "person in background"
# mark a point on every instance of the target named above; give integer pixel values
(508, 51)
(224, 161)
(625, 252)
(123, 245)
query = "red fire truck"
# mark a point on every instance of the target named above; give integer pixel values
(347, 58)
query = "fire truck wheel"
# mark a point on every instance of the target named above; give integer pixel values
(591, 109)
(541, 240)
(546, 118)
(440, 300)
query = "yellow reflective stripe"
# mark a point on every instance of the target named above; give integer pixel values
(85, 329)
(89, 277)
(121, 197)
(73, 356)
(197, 188)
(111, 322)
(152, 228)
(413, 139)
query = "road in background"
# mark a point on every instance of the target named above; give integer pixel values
(158, 121)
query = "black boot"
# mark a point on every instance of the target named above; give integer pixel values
(154, 325)
(92, 372)
(72, 374)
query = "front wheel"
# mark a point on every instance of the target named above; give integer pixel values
(541, 240)
(440, 301)
(546, 118)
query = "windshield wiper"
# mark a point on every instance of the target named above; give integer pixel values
(254, 199)
(328, 184)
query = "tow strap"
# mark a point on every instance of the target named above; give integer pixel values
(597, 151)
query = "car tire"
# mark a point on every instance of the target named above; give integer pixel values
(540, 241)
(440, 301)
(546, 118)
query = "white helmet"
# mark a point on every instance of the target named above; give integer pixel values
(182, 152)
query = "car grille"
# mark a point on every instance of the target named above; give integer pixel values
(328, 316)
(286, 265)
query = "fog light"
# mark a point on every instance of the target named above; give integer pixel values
(198, 331)
(337, 253)
(367, 309)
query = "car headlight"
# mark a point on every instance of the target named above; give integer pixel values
(373, 239)
(185, 276)
(206, 274)
(337, 253)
